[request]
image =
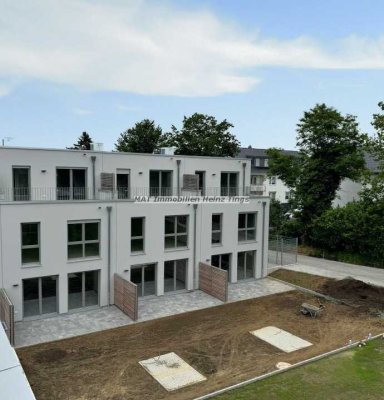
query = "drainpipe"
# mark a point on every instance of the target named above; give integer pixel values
(178, 177)
(109, 209)
(244, 165)
(263, 242)
(93, 158)
(194, 244)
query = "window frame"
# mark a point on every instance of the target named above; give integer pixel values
(70, 195)
(244, 266)
(176, 234)
(33, 246)
(272, 180)
(220, 231)
(83, 241)
(142, 237)
(247, 228)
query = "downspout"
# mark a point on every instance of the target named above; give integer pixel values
(109, 209)
(194, 245)
(244, 165)
(263, 242)
(93, 158)
(178, 177)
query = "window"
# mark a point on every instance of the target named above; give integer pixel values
(30, 242)
(266, 162)
(201, 178)
(83, 289)
(70, 183)
(272, 195)
(216, 228)
(144, 276)
(21, 183)
(257, 180)
(228, 184)
(247, 227)
(287, 195)
(222, 261)
(272, 180)
(176, 231)
(122, 184)
(83, 239)
(137, 234)
(246, 265)
(40, 296)
(257, 162)
(175, 275)
(160, 183)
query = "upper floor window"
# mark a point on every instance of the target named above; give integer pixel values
(247, 227)
(160, 183)
(176, 231)
(71, 184)
(265, 162)
(228, 184)
(21, 183)
(272, 180)
(83, 239)
(256, 162)
(272, 195)
(137, 234)
(30, 242)
(257, 180)
(216, 228)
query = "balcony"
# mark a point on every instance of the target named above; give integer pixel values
(120, 193)
(258, 189)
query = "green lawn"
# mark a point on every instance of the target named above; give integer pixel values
(355, 374)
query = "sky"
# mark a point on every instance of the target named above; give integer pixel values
(100, 66)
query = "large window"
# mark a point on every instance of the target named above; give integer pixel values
(83, 289)
(71, 183)
(40, 296)
(246, 265)
(247, 227)
(137, 234)
(176, 231)
(144, 276)
(83, 239)
(160, 183)
(21, 183)
(175, 275)
(30, 243)
(228, 184)
(216, 228)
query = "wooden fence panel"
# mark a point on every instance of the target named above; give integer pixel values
(7, 316)
(214, 281)
(126, 296)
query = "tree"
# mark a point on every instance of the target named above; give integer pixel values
(83, 142)
(330, 150)
(144, 137)
(202, 135)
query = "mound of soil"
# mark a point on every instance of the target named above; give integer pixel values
(355, 292)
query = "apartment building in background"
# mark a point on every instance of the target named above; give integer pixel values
(71, 219)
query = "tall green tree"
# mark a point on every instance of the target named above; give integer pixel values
(203, 135)
(330, 150)
(144, 137)
(83, 142)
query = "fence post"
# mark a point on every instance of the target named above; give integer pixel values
(277, 248)
(282, 250)
(297, 248)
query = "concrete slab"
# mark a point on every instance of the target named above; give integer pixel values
(171, 371)
(14, 385)
(281, 339)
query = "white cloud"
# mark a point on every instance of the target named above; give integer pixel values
(82, 111)
(147, 48)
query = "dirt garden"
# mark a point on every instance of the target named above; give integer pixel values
(215, 341)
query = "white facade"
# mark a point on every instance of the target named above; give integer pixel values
(51, 209)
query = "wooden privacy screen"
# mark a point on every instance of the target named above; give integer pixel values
(126, 296)
(7, 316)
(214, 281)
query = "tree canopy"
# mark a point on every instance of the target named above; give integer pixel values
(203, 135)
(144, 137)
(83, 142)
(330, 150)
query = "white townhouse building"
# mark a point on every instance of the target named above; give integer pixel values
(71, 219)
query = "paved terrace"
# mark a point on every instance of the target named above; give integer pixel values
(69, 325)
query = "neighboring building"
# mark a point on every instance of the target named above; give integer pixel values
(69, 220)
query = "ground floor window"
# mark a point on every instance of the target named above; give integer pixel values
(40, 296)
(246, 265)
(144, 276)
(83, 289)
(222, 261)
(175, 275)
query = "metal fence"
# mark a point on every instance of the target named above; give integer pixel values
(7, 316)
(282, 250)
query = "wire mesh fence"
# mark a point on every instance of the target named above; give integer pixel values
(282, 250)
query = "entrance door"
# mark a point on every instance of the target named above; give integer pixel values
(83, 289)
(144, 276)
(21, 183)
(39, 296)
(246, 265)
(122, 184)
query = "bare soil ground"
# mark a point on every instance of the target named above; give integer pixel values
(215, 341)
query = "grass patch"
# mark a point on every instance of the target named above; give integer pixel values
(351, 375)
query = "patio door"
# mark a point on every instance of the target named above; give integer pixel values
(246, 265)
(21, 183)
(83, 289)
(144, 276)
(122, 184)
(40, 296)
(175, 275)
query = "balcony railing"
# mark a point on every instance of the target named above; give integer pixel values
(120, 193)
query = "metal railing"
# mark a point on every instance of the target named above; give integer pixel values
(119, 193)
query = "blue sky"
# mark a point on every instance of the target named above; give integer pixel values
(66, 67)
